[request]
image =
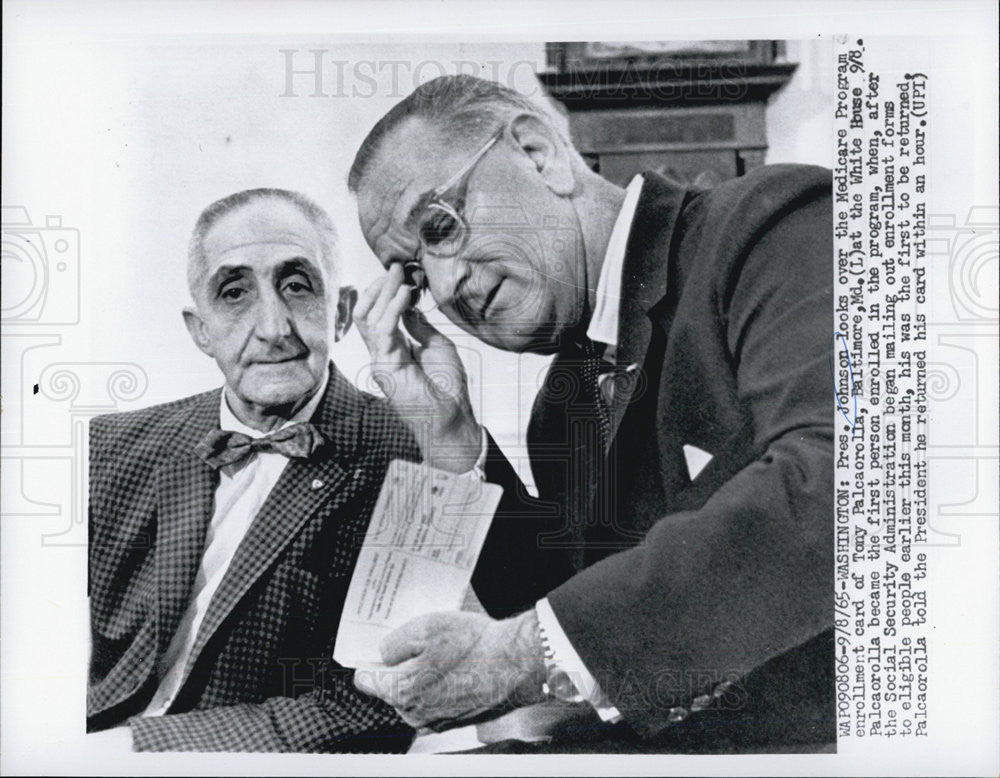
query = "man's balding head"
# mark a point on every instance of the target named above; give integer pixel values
(215, 212)
(261, 270)
(462, 108)
(532, 216)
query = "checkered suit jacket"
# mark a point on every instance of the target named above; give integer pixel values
(261, 676)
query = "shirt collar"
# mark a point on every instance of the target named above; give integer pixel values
(603, 326)
(229, 422)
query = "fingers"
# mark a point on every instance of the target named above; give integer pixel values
(395, 307)
(411, 687)
(372, 302)
(365, 681)
(403, 687)
(395, 685)
(378, 311)
(363, 308)
(403, 643)
(367, 298)
(457, 666)
(419, 328)
(391, 283)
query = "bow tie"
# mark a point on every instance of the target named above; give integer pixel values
(220, 447)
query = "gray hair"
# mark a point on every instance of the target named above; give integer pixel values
(463, 106)
(220, 208)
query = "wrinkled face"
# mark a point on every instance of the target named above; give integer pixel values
(519, 280)
(261, 307)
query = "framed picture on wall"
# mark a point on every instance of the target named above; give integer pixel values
(567, 57)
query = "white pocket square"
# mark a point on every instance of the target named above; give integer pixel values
(696, 460)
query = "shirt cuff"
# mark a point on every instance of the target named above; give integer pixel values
(478, 470)
(566, 658)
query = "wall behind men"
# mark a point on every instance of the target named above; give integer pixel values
(151, 132)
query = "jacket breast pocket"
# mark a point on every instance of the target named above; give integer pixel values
(712, 465)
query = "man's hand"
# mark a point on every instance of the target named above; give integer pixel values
(447, 669)
(421, 375)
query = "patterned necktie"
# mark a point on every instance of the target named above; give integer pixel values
(220, 448)
(593, 367)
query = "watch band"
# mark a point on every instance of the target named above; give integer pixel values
(557, 684)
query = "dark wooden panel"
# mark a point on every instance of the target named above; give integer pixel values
(667, 129)
(735, 126)
(693, 111)
(704, 168)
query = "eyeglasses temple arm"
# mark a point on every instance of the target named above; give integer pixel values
(467, 166)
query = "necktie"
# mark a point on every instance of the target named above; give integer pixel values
(593, 368)
(221, 447)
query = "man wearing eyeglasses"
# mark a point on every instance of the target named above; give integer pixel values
(674, 576)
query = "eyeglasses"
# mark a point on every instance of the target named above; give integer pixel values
(442, 230)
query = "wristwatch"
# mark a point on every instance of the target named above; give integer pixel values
(558, 685)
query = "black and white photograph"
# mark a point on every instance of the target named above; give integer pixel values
(382, 384)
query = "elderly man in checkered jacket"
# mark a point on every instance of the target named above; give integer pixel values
(224, 527)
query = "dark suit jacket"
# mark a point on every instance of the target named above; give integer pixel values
(263, 679)
(670, 587)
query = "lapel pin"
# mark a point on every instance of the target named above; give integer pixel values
(316, 484)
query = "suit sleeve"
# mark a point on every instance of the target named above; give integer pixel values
(515, 567)
(713, 593)
(100, 482)
(333, 718)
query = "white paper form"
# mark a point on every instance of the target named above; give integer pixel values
(418, 555)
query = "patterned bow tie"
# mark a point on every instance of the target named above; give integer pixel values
(220, 447)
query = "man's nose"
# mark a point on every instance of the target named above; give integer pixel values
(274, 320)
(443, 279)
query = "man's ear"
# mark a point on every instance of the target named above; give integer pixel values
(547, 151)
(196, 328)
(346, 301)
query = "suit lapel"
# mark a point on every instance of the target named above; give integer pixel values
(303, 487)
(185, 490)
(644, 284)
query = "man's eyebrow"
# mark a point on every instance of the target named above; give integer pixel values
(295, 264)
(418, 208)
(226, 272)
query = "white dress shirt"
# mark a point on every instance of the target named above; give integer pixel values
(243, 488)
(603, 328)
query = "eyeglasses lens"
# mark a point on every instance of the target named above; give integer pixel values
(442, 230)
